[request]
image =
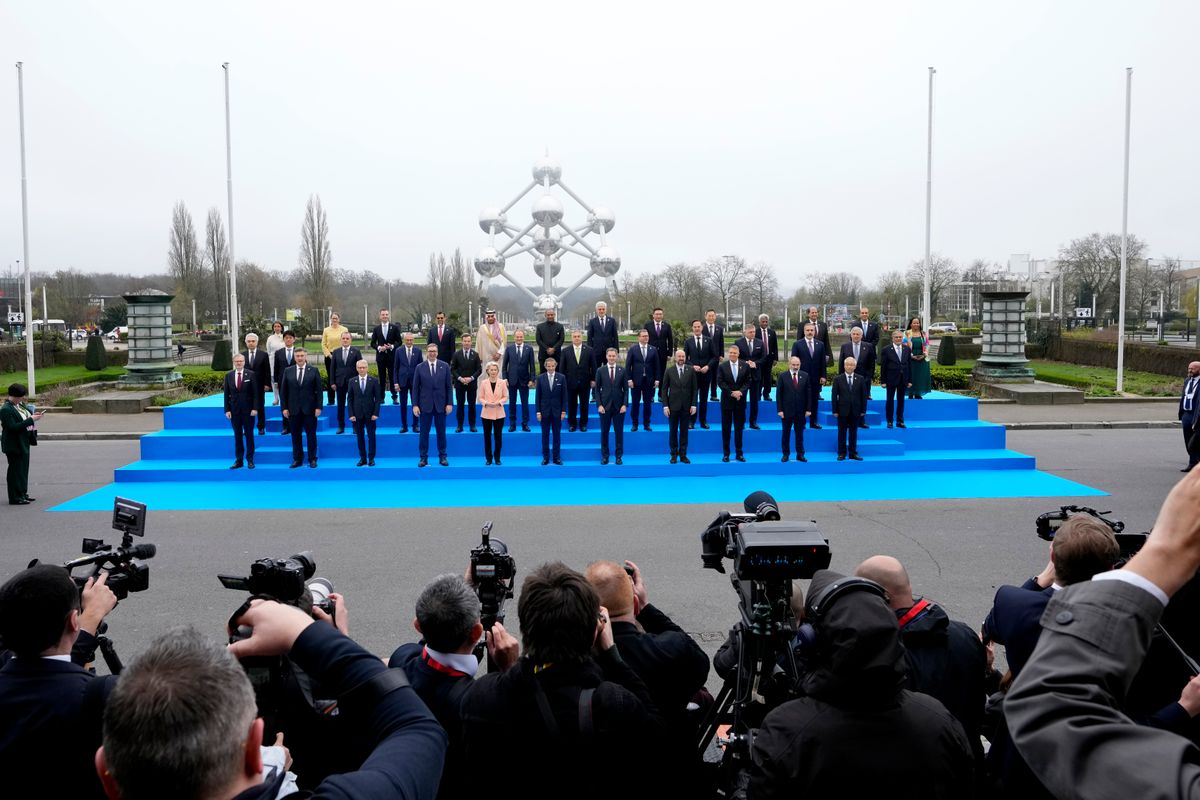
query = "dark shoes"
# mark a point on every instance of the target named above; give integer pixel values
(754, 426)
(498, 464)
(674, 459)
(312, 463)
(558, 462)
(725, 458)
(443, 461)
(404, 429)
(647, 427)
(784, 459)
(703, 425)
(370, 462)
(802, 458)
(512, 428)
(889, 424)
(634, 429)
(21, 502)
(458, 429)
(250, 463)
(571, 429)
(685, 459)
(294, 465)
(341, 430)
(864, 426)
(525, 428)
(901, 425)
(603, 460)
(815, 427)
(583, 429)
(422, 463)
(618, 461)
(362, 462)
(841, 458)
(489, 462)
(855, 457)
(474, 430)
(545, 461)
(236, 465)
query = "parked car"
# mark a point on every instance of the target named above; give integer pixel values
(116, 333)
(944, 327)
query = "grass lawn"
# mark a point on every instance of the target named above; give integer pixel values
(1102, 382)
(51, 377)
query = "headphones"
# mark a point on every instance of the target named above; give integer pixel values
(808, 639)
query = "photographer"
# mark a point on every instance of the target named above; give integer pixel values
(181, 723)
(50, 707)
(441, 667)
(570, 719)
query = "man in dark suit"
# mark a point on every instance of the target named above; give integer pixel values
(679, 404)
(550, 336)
(791, 402)
(733, 378)
(259, 364)
(301, 406)
(850, 393)
(611, 389)
(443, 336)
(601, 333)
(751, 351)
(864, 356)
(465, 369)
(365, 398)
(284, 358)
(895, 370)
(704, 361)
(52, 708)
(242, 409)
(770, 343)
(642, 369)
(870, 329)
(1189, 406)
(578, 369)
(716, 334)
(343, 358)
(408, 358)
(551, 410)
(431, 402)
(812, 360)
(662, 339)
(384, 338)
(519, 374)
(820, 332)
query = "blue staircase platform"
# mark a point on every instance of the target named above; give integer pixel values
(186, 464)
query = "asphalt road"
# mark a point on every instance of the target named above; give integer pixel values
(957, 551)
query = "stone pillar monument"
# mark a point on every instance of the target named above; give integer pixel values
(151, 356)
(1003, 359)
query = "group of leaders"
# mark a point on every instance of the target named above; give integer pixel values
(487, 371)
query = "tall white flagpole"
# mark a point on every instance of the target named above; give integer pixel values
(233, 299)
(25, 239)
(1124, 237)
(926, 311)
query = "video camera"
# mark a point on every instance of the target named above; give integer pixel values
(761, 546)
(493, 570)
(1047, 525)
(126, 572)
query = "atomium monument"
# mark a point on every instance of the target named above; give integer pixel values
(547, 238)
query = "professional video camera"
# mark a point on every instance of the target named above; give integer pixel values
(768, 554)
(492, 571)
(1049, 523)
(285, 580)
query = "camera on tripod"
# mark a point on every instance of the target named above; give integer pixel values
(1047, 525)
(493, 570)
(126, 571)
(761, 545)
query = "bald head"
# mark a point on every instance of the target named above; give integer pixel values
(889, 573)
(612, 583)
(1194, 369)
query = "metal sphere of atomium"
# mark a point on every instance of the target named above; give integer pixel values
(539, 267)
(606, 262)
(492, 216)
(489, 263)
(546, 167)
(545, 302)
(602, 217)
(547, 210)
(546, 242)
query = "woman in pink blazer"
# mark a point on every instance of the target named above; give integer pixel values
(493, 396)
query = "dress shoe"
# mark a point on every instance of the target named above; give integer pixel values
(603, 461)
(525, 428)
(704, 426)
(404, 430)
(422, 463)
(901, 425)
(685, 459)
(889, 424)
(512, 428)
(618, 461)
(647, 427)
(545, 461)
(691, 427)
(841, 458)
(294, 464)
(21, 502)
(498, 464)
(395, 402)
(784, 459)
(674, 459)
(458, 429)
(754, 426)
(767, 397)
(802, 458)
(262, 431)
(558, 462)
(855, 457)
(815, 427)
(583, 429)
(634, 429)
(489, 462)
(443, 461)
(362, 462)
(341, 430)
(571, 429)
(740, 457)
(29, 499)
(474, 430)
(370, 462)
(236, 465)
(249, 463)
(725, 459)
(312, 463)
(864, 426)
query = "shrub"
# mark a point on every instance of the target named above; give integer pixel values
(204, 383)
(947, 355)
(222, 360)
(948, 378)
(95, 359)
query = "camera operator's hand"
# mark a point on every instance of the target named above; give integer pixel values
(97, 600)
(604, 634)
(287, 754)
(503, 649)
(1172, 553)
(639, 588)
(340, 619)
(275, 628)
(1047, 576)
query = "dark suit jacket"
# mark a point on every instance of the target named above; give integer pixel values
(870, 331)
(445, 343)
(611, 394)
(644, 372)
(1015, 620)
(431, 393)
(727, 384)
(463, 366)
(378, 339)
(551, 399)
(1195, 397)
(549, 334)
(704, 355)
(850, 401)
(822, 335)
(770, 344)
(668, 661)
(664, 343)
(301, 400)
(601, 337)
(577, 372)
(261, 366)
(791, 399)
(518, 372)
(364, 405)
(15, 438)
(718, 339)
(815, 364)
(281, 364)
(241, 403)
(344, 370)
(679, 394)
(404, 365)
(866, 359)
(893, 371)
(751, 351)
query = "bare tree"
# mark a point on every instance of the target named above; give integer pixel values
(762, 287)
(67, 295)
(316, 257)
(1143, 288)
(943, 273)
(216, 255)
(1168, 270)
(685, 287)
(644, 293)
(726, 277)
(1093, 264)
(892, 288)
(835, 287)
(183, 254)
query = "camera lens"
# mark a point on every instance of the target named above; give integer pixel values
(320, 588)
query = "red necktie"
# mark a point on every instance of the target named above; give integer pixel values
(795, 380)
(239, 381)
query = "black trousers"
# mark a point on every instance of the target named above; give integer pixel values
(848, 425)
(262, 409)
(243, 436)
(896, 392)
(329, 380)
(764, 378)
(792, 425)
(814, 397)
(642, 396)
(386, 362)
(492, 432)
(1189, 421)
(577, 404)
(513, 392)
(677, 424)
(304, 427)
(616, 421)
(404, 392)
(18, 476)
(702, 382)
(752, 395)
(733, 417)
(364, 431)
(342, 390)
(551, 430)
(465, 399)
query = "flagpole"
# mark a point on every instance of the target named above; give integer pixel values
(233, 301)
(927, 312)
(1124, 237)
(32, 388)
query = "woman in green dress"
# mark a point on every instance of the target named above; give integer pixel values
(916, 339)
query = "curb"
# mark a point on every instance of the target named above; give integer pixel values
(92, 436)
(1153, 424)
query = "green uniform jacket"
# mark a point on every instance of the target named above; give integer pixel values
(15, 438)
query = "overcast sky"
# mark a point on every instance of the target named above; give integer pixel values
(792, 133)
